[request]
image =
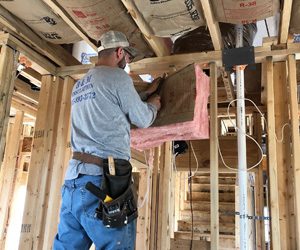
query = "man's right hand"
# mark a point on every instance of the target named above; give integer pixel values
(155, 100)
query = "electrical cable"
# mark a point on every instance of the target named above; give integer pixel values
(196, 159)
(267, 28)
(237, 128)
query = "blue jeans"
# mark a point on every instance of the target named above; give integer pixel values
(78, 228)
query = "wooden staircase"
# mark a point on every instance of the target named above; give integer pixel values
(201, 211)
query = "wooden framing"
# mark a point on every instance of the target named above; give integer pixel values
(214, 165)
(8, 174)
(8, 65)
(292, 81)
(259, 188)
(158, 45)
(57, 9)
(51, 149)
(154, 199)
(273, 175)
(43, 65)
(143, 222)
(212, 24)
(40, 165)
(283, 152)
(159, 65)
(63, 131)
(25, 91)
(285, 21)
(164, 218)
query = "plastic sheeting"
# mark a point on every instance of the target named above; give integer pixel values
(198, 128)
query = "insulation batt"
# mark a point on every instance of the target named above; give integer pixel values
(198, 128)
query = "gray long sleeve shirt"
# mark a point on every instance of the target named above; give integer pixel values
(104, 103)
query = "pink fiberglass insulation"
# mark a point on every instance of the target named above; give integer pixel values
(198, 128)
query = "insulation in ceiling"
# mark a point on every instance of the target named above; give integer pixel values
(40, 18)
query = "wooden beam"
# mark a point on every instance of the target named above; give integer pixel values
(176, 62)
(143, 226)
(54, 52)
(159, 65)
(29, 111)
(228, 147)
(157, 44)
(8, 67)
(154, 200)
(73, 70)
(283, 154)
(45, 67)
(214, 164)
(25, 90)
(163, 234)
(212, 24)
(64, 15)
(272, 153)
(8, 174)
(32, 75)
(259, 186)
(40, 165)
(292, 80)
(285, 21)
(52, 215)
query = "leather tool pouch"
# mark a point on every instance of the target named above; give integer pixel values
(123, 208)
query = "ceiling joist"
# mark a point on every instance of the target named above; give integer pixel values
(212, 24)
(58, 10)
(157, 44)
(44, 66)
(285, 21)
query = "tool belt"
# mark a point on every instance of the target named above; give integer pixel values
(122, 207)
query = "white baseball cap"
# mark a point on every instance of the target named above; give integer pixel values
(115, 39)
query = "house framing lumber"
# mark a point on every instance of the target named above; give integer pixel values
(283, 156)
(51, 146)
(159, 65)
(294, 109)
(8, 174)
(214, 164)
(8, 66)
(59, 167)
(212, 24)
(285, 21)
(157, 44)
(40, 165)
(272, 154)
(57, 9)
(44, 66)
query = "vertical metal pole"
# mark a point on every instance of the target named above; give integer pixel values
(242, 161)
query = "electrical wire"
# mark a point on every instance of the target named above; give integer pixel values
(240, 129)
(196, 159)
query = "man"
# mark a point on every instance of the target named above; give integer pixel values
(104, 103)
